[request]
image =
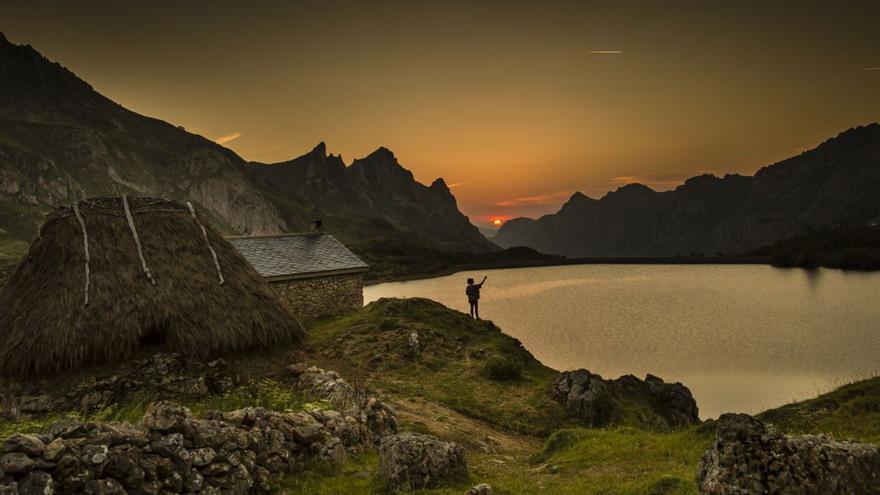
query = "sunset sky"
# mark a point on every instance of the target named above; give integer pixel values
(515, 104)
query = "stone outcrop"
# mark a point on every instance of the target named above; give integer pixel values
(750, 457)
(600, 402)
(378, 416)
(172, 452)
(321, 296)
(413, 461)
(161, 375)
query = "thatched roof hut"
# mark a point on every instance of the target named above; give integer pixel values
(106, 277)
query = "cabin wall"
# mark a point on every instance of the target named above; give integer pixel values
(321, 296)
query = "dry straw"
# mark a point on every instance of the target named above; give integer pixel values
(45, 327)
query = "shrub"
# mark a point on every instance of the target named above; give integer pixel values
(504, 368)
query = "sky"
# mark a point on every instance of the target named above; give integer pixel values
(515, 104)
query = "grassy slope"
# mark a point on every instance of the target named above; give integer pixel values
(517, 439)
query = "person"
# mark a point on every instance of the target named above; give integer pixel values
(473, 294)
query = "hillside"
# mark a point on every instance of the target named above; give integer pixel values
(516, 438)
(61, 140)
(837, 183)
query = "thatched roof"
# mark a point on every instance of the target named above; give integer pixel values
(46, 324)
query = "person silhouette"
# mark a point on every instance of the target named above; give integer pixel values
(473, 294)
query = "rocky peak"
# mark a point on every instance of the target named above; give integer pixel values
(319, 150)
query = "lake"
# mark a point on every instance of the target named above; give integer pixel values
(743, 338)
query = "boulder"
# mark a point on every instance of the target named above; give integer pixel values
(166, 417)
(26, 444)
(481, 489)
(750, 457)
(16, 463)
(416, 461)
(600, 402)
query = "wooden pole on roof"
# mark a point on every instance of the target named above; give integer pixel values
(137, 240)
(82, 225)
(205, 236)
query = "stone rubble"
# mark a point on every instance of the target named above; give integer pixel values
(171, 451)
(163, 375)
(412, 461)
(750, 457)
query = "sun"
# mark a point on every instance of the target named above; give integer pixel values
(497, 222)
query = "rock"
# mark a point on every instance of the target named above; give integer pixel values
(26, 444)
(53, 451)
(601, 402)
(166, 417)
(203, 456)
(37, 483)
(237, 451)
(415, 461)
(481, 489)
(749, 457)
(16, 463)
(297, 369)
(105, 487)
(414, 344)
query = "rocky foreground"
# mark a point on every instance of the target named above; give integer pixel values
(433, 401)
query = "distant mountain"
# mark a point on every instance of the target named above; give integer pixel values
(375, 186)
(60, 140)
(837, 183)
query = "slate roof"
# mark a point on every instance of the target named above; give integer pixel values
(285, 256)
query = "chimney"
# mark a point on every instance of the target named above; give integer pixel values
(316, 225)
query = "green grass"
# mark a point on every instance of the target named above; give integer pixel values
(849, 412)
(267, 393)
(450, 368)
(572, 462)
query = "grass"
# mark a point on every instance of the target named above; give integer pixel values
(267, 393)
(446, 384)
(849, 412)
(450, 367)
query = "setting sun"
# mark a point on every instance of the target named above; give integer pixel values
(497, 222)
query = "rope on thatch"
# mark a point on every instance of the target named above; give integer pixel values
(137, 240)
(82, 225)
(207, 242)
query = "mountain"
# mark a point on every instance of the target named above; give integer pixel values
(837, 183)
(377, 184)
(60, 140)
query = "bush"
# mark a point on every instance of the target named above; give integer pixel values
(504, 368)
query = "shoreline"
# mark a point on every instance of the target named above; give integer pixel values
(641, 260)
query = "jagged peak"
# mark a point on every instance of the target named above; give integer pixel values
(3, 38)
(320, 149)
(382, 152)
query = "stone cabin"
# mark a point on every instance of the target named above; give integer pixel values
(314, 274)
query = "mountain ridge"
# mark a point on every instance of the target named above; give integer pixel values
(60, 140)
(836, 183)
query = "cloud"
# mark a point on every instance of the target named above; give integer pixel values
(539, 199)
(606, 52)
(456, 184)
(872, 68)
(227, 138)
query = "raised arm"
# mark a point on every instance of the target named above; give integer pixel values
(483, 281)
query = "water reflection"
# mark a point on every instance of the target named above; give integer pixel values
(743, 338)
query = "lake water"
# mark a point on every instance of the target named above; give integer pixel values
(743, 338)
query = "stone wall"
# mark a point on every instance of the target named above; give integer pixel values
(751, 457)
(321, 296)
(171, 451)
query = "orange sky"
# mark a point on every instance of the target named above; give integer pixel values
(516, 105)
